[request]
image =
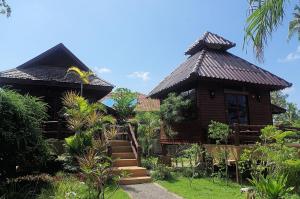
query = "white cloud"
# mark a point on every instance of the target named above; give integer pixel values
(291, 56)
(100, 70)
(141, 75)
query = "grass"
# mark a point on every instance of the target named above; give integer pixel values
(70, 187)
(203, 188)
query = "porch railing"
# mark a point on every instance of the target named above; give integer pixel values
(56, 129)
(249, 134)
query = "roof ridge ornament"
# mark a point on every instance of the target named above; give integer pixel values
(211, 41)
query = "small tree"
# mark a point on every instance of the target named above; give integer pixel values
(124, 103)
(83, 75)
(173, 107)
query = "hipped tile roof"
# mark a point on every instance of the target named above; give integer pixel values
(215, 62)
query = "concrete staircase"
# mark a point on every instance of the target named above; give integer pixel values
(125, 160)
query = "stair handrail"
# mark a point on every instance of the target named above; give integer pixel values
(134, 143)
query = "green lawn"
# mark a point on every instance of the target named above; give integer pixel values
(203, 188)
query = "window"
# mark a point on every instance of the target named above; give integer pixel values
(237, 108)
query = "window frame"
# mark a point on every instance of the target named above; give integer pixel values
(236, 96)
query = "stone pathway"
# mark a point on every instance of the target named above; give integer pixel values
(148, 191)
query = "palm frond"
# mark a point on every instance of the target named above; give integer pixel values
(294, 25)
(83, 75)
(263, 20)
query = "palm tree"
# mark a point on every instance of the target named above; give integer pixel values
(83, 75)
(265, 17)
(294, 26)
(5, 8)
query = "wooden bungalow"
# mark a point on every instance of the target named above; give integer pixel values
(222, 87)
(46, 76)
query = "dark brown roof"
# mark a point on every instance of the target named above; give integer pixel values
(212, 41)
(52, 65)
(219, 64)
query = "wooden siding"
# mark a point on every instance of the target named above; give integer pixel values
(208, 108)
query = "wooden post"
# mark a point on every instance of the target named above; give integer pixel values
(139, 155)
(59, 131)
(237, 172)
(236, 134)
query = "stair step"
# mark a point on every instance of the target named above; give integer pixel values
(131, 171)
(128, 155)
(119, 143)
(125, 162)
(135, 180)
(121, 149)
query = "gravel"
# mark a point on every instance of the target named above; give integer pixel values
(149, 191)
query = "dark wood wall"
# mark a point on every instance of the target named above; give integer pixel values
(52, 95)
(214, 108)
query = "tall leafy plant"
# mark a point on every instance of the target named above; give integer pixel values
(148, 126)
(85, 119)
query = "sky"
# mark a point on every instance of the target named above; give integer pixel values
(136, 43)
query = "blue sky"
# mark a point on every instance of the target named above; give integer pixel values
(136, 43)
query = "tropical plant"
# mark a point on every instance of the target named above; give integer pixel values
(83, 116)
(5, 8)
(124, 103)
(96, 168)
(78, 143)
(272, 155)
(265, 17)
(83, 75)
(294, 26)
(173, 108)
(148, 126)
(21, 141)
(271, 186)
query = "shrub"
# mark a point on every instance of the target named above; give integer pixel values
(21, 141)
(149, 162)
(271, 187)
(162, 172)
